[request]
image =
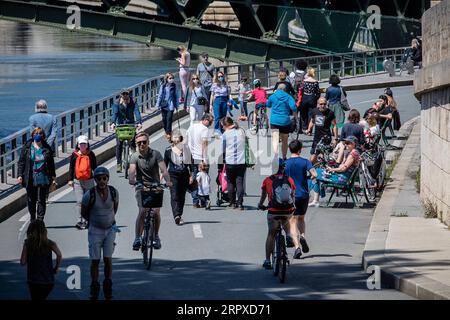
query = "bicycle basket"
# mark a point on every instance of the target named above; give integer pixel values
(125, 132)
(152, 199)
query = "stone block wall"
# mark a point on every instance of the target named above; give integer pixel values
(432, 87)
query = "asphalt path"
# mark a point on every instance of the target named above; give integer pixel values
(217, 254)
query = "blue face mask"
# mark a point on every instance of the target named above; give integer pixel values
(37, 137)
(221, 78)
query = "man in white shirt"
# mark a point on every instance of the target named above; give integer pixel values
(197, 137)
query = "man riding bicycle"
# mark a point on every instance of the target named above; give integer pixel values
(145, 167)
(280, 189)
(124, 111)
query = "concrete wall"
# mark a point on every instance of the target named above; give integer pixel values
(432, 87)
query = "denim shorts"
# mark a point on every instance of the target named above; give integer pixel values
(101, 240)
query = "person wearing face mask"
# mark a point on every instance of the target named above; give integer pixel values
(178, 160)
(198, 101)
(167, 102)
(81, 174)
(124, 111)
(36, 171)
(205, 70)
(220, 100)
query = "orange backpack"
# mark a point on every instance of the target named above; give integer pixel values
(83, 167)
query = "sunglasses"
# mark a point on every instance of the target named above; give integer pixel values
(101, 178)
(322, 104)
(141, 142)
(194, 78)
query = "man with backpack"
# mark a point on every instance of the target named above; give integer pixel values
(99, 208)
(205, 70)
(82, 165)
(280, 189)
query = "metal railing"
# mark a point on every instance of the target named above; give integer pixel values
(345, 65)
(93, 119)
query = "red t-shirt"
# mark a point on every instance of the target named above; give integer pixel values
(267, 186)
(260, 95)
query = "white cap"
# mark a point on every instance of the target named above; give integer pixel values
(82, 139)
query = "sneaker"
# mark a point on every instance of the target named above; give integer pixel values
(119, 168)
(196, 205)
(297, 253)
(137, 244)
(107, 289)
(267, 265)
(305, 247)
(179, 221)
(157, 243)
(79, 225)
(241, 207)
(208, 205)
(313, 204)
(289, 242)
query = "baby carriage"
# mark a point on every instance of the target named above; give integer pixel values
(222, 184)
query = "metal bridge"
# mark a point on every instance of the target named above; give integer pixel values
(330, 26)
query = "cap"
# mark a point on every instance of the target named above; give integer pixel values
(82, 139)
(100, 171)
(388, 92)
(351, 139)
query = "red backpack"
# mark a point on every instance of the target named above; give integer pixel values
(82, 167)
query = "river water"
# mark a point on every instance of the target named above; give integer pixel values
(67, 69)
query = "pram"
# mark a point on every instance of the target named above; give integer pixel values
(222, 184)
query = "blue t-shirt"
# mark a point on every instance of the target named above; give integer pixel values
(297, 168)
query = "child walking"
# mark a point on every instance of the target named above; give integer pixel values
(204, 186)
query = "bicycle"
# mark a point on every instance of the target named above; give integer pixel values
(152, 197)
(280, 258)
(126, 133)
(262, 121)
(366, 181)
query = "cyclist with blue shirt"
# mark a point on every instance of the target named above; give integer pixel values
(297, 168)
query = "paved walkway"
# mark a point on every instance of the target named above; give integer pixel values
(413, 252)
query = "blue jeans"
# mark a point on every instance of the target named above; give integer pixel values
(194, 193)
(337, 178)
(167, 116)
(220, 112)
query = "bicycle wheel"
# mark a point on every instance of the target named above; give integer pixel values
(282, 260)
(126, 154)
(367, 184)
(144, 245)
(251, 119)
(264, 124)
(150, 243)
(276, 257)
(381, 175)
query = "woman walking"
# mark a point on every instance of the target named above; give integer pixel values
(37, 255)
(199, 101)
(81, 174)
(178, 160)
(220, 99)
(334, 97)
(36, 171)
(311, 93)
(167, 102)
(233, 141)
(185, 63)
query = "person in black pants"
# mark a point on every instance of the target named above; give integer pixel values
(36, 171)
(178, 160)
(37, 255)
(233, 141)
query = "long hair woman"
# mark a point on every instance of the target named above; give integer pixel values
(37, 255)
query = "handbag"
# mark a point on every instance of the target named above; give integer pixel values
(344, 102)
(201, 101)
(40, 179)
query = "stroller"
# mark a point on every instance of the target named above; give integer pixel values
(222, 184)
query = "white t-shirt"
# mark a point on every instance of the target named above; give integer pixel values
(233, 142)
(204, 183)
(196, 134)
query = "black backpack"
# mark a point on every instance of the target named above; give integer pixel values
(281, 193)
(92, 197)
